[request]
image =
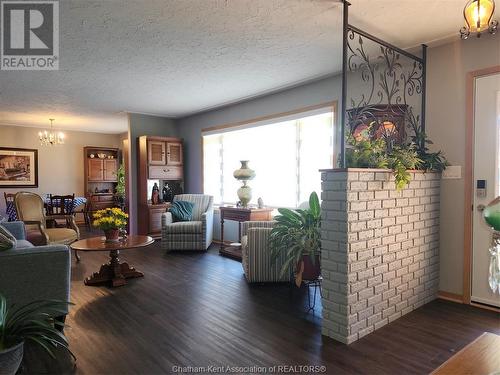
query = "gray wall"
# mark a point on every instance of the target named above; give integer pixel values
(143, 125)
(446, 76)
(189, 128)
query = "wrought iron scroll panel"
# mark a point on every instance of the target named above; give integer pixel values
(384, 93)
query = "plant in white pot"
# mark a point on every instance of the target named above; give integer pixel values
(32, 322)
(297, 234)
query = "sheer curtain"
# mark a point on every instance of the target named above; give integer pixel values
(286, 156)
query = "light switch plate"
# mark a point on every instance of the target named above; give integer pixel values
(452, 172)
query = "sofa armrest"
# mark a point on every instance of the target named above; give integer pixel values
(255, 224)
(16, 228)
(260, 266)
(207, 219)
(166, 219)
(35, 273)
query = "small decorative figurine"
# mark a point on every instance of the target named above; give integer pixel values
(166, 193)
(260, 203)
(155, 194)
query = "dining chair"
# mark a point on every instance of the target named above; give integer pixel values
(30, 210)
(10, 209)
(60, 205)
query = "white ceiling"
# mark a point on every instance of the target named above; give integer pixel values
(177, 57)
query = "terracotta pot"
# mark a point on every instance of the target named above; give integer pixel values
(311, 270)
(112, 235)
(306, 270)
(10, 359)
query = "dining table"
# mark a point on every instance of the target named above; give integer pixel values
(11, 212)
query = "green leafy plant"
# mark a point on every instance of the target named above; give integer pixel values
(120, 186)
(402, 159)
(375, 154)
(366, 153)
(33, 322)
(431, 161)
(296, 234)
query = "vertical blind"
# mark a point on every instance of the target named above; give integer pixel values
(286, 156)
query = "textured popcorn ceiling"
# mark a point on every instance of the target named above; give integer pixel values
(177, 57)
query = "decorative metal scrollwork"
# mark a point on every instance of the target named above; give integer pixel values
(384, 90)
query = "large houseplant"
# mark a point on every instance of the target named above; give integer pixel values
(297, 235)
(32, 322)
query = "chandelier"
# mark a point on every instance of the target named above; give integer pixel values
(50, 137)
(478, 14)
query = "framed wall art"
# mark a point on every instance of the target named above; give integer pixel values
(18, 167)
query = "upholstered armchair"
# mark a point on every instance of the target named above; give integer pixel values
(189, 235)
(30, 210)
(29, 273)
(257, 263)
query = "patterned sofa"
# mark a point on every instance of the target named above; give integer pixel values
(256, 255)
(189, 235)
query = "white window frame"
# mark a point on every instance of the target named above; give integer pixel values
(268, 120)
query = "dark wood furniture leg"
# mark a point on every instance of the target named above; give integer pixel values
(76, 255)
(221, 233)
(114, 272)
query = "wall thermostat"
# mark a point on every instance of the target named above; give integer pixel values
(481, 188)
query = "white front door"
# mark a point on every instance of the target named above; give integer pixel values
(486, 175)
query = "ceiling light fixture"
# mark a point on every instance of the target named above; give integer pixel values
(51, 138)
(478, 14)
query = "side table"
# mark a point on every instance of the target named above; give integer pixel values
(240, 215)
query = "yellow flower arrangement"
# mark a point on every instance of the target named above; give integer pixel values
(110, 218)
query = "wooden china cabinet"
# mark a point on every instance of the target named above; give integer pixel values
(160, 161)
(100, 166)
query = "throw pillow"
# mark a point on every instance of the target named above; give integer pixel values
(182, 211)
(7, 240)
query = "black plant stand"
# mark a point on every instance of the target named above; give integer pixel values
(315, 284)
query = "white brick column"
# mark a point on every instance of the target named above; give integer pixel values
(380, 248)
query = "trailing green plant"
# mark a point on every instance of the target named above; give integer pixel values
(120, 186)
(375, 154)
(296, 234)
(431, 161)
(33, 322)
(402, 159)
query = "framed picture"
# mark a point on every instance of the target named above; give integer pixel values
(18, 167)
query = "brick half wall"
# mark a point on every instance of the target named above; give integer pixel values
(380, 248)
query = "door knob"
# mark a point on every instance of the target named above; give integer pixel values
(481, 207)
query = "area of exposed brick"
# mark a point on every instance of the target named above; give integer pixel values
(380, 249)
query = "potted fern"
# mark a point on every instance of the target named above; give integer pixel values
(32, 322)
(297, 235)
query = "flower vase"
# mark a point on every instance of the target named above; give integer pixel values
(112, 235)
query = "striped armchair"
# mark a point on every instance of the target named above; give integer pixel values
(189, 235)
(256, 255)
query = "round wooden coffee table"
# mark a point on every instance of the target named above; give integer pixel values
(113, 271)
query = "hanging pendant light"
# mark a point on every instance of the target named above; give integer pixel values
(50, 137)
(478, 14)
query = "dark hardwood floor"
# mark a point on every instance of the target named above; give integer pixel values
(196, 309)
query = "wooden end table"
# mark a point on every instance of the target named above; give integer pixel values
(240, 215)
(113, 271)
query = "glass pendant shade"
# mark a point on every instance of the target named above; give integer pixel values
(478, 14)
